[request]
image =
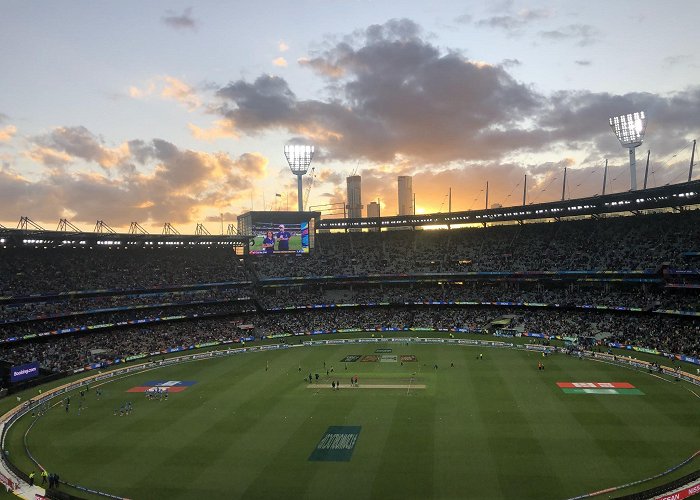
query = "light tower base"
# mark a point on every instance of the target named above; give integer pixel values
(633, 170)
(300, 193)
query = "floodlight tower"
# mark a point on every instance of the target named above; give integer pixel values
(299, 158)
(629, 130)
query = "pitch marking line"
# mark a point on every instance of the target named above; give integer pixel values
(695, 393)
(377, 386)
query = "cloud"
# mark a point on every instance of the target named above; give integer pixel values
(169, 88)
(138, 93)
(7, 133)
(49, 156)
(228, 217)
(181, 92)
(512, 23)
(581, 34)
(330, 176)
(322, 67)
(511, 63)
(156, 181)
(65, 143)
(397, 99)
(680, 59)
(183, 21)
(282, 46)
(573, 118)
(464, 19)
(582, 62)
(393, 84)
(280, 62)
(222, 129)
(268, 101)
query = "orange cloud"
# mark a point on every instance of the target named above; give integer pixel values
(221, 129)
(168, 87)
(181, 92)
(138, 93)
(49, 156)
(280, 62)
(7, 133)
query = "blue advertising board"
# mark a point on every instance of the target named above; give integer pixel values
(24, 372)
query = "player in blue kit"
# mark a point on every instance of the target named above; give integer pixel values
(268, 243)
(282, 237)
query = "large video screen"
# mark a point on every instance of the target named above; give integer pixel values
(273, 238)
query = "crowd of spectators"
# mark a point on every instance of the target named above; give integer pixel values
(617, 243)
(76, 351)
(78, 321)
(70, 351)
(26, 271)
(69, 305)
(630, 296)
(144, 278)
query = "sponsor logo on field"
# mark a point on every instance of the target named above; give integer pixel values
(624, 388)
(351, 358)
(337, 444)
(407, 358)
(163, 385)
(388, 358)
(383, 351)
(369, 358)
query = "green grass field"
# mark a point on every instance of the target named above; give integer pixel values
(294, 243)
(490, 428)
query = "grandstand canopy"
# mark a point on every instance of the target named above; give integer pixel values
(31, 237)
(665, 197)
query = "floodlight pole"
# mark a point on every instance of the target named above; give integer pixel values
(605, 176)
(487, 195)
(633, 169)
(563, 186)
(300, 194)
(525, 190)
(646, 170)
(692, 159)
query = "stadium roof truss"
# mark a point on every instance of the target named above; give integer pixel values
(26, 237)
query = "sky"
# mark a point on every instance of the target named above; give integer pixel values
(170, 111)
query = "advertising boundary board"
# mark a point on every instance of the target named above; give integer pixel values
(15, 413)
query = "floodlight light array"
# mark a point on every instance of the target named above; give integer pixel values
(299, 157)
(629, 128)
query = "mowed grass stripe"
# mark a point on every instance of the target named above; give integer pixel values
(464, 464)
(515, 444)
(139, 445)
(272, 415)
(487, 428)
(406, 465)
(566, 438)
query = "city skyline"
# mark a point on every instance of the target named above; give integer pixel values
(178, 112)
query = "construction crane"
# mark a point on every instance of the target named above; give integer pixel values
(308, 188)
(357, 165)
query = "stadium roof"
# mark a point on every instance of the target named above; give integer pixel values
(35, 237)
(666, 197)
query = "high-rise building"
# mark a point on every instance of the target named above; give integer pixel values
(405, 195)
(354, 205)
(373, 209)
